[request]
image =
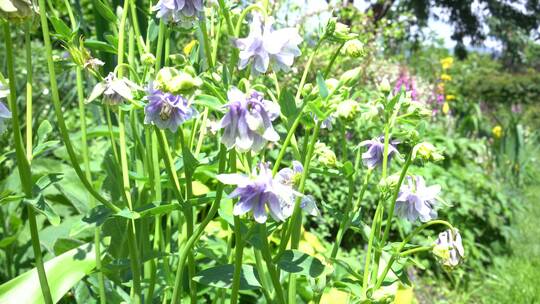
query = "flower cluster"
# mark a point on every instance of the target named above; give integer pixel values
(265, 47)
(248, 122)
(261, 193)
(166, 110)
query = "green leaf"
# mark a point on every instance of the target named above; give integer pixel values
(63, 272)
(105, 11)
(99, 46)
(294, 261)
(157, 209)
(288, 106)
(323, 89)
(222, 277)
(41, 205)
(211, 102)
(130, 215)
(61, 28)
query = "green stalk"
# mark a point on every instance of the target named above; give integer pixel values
(239, 245)
(199, 231)
(286, 143)
(59, 111)
(394, 198)
(296, 221)
(306, 71)
(24, 167)
(28, 46)
(274, 275)
(131, 235)
(332, 61)
(264, 281)
(159, 51)
(385, 151)
(188, 214)
(405, 242)
(368, 251)
(345, 220)
(225, 12)
(206, 41)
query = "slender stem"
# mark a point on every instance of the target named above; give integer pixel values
(268, 259)
(200, 229)
(385, 151)
(159, 51)
(239, 245)
(345, 220)
(244, 14)
(262, 274)
(225, 12)
(206, 41)
(188, 213)
(368, 252)
(286, 143)
(394, 198)
(415, 250)
(28, 46)
(332, 60)
(24, 167)
(306, 71)
(296, 221)
(60, 114)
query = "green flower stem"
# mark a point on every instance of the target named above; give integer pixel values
(29, 79)
(206, 41)
(385, 151)
(59, 112)
(368, 251)
(345, 220)
(225, 12)
(286, 143)
(306, 71)
(188, 213)
(274, 275)
(131, 235)
(296, 221)
(332, 61)
(405, 242)
(169, 165)
(408, 162)
(264, 281)
(244, 15)
(416, 250)
(199, 231)
(135, 23)
(239, 243)
(24, 166)
(344, 154)
(159, 50)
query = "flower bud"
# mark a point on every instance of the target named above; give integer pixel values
(384, 86)
(347, 109)
(326, 156)
(354, 48)
(426, 151)
(351, 76)
(177, 82)
(148, 59)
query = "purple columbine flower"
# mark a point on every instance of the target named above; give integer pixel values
(4, 114)
(374, 155)
(248, 123)
(258, 193)
(449, 248)
(291, 177)
(416, 201)
(177, 10)
(265, 46)
(166, 110)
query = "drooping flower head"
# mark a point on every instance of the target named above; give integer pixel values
(166, 110)
(416, 201)
(259, 193)
(291, 177)
(4, 114)
(178, 10)
(248, 122)
(114, 90)
(374, 155)
(449, 249)
(266, 47)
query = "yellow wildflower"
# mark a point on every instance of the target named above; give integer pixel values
(446, 77)
(445, 108)
(450, 97)
(497, 131)
(189, 47)
(447, 62)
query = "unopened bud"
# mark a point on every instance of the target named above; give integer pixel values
(354, 48)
